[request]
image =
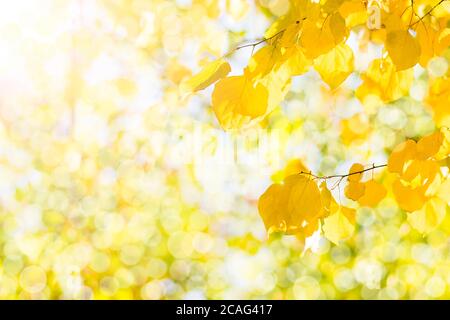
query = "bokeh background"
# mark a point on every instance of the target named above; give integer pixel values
(115, 186)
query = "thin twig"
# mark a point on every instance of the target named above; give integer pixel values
(342, 176)
(258, 42)
(428, 13)
(254, 44)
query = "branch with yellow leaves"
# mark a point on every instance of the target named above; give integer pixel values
(253, 44)
(260, 41)
(428, 13)
(257, 42)
(343, 176)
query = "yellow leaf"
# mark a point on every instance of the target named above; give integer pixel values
(331, 6)
(432, 42)
(273, 209)
(307, 230)
(412, 170)
(356, 167)
(433, 186)
(429, 217)
(427, 170)
(393, 22)
(236, 101)
(299, 10)
(382, 80)
(355, 190)
(316, 38)
(428, 40)
(290, 36)
(338, 27)
(428, 146)
(375, 192)
(336, 65)
(278, 84)
(304, 200)
(349, 213)
(273, 70)
(403, 49)
(329, 204)
(340, 226)
(293, 167)
(409, 199)
(290, 206)
(270, 59)
(296, 61)
(211, 73)
(263, 62)
(354, 12)
(400, 155)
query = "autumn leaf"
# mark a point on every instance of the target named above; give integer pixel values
(335, 66)
(401, 154)
(408, 198)
(316, 39)
(272, 206)
(305, 200)
(294, 166)
(403, 49)
(355, 190)
(340, 225)
(208, 75)
(384, 81)
(329, 204)
(236, 101)
(355, 172)
(287, 207)
(374, 193)
(429, 217)
(429, 145)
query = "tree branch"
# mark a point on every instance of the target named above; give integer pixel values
(254, 44)
(342, 176)
(428, 13)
